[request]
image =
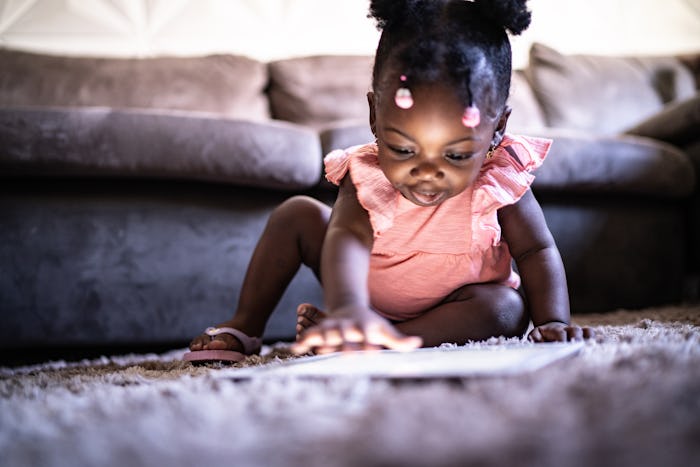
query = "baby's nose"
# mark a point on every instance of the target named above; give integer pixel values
(427, 171)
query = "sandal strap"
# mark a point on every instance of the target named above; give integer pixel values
(251, 345)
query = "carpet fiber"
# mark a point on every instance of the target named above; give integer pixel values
(631, 397)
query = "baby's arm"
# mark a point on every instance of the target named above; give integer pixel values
(541, 269)
(351, 324)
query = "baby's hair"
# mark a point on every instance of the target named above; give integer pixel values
(462, 42)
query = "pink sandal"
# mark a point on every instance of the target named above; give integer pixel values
(251, 346)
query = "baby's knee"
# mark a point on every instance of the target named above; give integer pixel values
(300, 209)
(508, 312)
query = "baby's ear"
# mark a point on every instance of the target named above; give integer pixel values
(372, 113)
(501, 126)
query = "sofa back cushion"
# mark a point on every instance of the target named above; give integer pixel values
(228, 85)
(526, 112)
(692, 62)
(678, 123)
(318, 90)
(604, 94)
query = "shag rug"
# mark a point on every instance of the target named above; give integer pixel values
(631, 397)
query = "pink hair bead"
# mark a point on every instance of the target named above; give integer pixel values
(403, 98)
(471, 117)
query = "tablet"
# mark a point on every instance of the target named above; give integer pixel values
(436, 362)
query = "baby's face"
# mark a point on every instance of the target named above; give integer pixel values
(425, 151)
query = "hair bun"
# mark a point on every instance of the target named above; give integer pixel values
(512, 15)
(384, 12)
(389, 13)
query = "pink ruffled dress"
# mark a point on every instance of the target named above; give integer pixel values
(422, 254)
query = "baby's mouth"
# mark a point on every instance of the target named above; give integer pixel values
(427, 198)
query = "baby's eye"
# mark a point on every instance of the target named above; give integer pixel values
(458, 156)
(402, 152)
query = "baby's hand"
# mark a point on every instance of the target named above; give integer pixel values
(556, 331)
(353, 329)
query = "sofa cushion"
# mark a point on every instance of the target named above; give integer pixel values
(344, 134)
(692, 62)
(678, 123)
(527, 113)
(105, 142)
(604, 94)
(113, 262)
(227, 85)
(580, 163)
(318, 90)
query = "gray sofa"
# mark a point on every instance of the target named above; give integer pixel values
(133, 190)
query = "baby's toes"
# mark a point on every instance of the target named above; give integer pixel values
(302, 325)
(199, 342)
(308, 316)
(310, 313)
(224, 342)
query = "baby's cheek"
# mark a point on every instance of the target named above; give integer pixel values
(396, 172)
(465, 178)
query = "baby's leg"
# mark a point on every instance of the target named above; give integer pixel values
(293, 236)
(471, 313)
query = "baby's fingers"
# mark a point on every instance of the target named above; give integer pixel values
(378, 334)
(574, 333)
(346, 347)
(548, 334)
(349, 336)
(559, 333)
(577, 333)
(311, 338)
(332, 336)
(329, 336)
(535, 335)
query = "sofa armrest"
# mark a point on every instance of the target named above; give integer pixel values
(169, 144)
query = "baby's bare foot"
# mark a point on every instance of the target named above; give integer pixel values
(308, 316)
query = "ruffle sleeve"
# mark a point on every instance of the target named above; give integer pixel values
(505, 178)
(374, 192)
(336, 164)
